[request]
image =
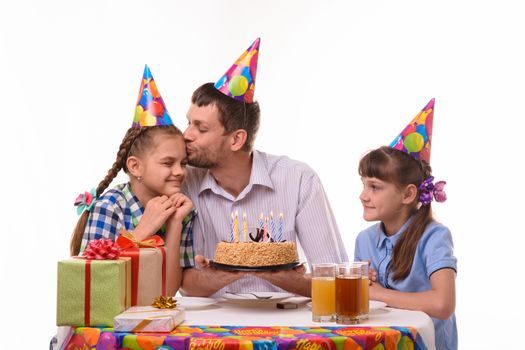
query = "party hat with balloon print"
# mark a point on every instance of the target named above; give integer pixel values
(239, 81)
(150, 110)
(415, 140)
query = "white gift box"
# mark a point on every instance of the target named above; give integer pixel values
(138, 319)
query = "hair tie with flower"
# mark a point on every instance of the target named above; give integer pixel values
(85, 201)
(430, 191)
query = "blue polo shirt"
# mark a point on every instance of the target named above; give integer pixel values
(434, 251)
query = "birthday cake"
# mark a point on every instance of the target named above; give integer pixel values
(256, 254)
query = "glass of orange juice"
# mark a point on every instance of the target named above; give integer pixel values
(323, 292)
(365, 282)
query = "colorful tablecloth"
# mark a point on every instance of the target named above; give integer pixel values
(249, 338)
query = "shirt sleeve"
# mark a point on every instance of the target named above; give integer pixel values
(315, 223)
(357, 249)
(438, 250)
(105, 220)
(187, 258)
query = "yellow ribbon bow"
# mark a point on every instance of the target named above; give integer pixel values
(164, 302)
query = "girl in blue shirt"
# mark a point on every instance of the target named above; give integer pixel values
(411, 256)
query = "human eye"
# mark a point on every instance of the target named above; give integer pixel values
(375, 187)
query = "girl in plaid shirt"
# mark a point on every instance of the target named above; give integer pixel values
(154, 157)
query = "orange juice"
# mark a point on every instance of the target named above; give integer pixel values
(323, 297)
(364, 297)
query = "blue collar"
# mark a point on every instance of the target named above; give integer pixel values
(382, 237)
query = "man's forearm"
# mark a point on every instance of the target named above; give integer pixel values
(194, 285)
(206, 281)
(296, 283)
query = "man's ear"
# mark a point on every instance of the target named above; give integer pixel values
(238, 139)
(409, 194)
(134, 166)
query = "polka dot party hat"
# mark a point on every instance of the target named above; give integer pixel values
(416, 138)
(239, 81)
(150, 110)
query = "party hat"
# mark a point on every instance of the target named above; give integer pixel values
(150, 110)
(415, 140)
(239, 81)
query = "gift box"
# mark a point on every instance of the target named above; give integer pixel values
(148, 319)
(92, 292)
(148, 274)
(148, 266)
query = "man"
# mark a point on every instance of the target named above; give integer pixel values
(228, 176)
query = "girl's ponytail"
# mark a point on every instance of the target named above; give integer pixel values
(120, 163)
(405, 249)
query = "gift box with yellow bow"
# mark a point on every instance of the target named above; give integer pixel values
(93, 289)
(148, 266)
(163, 318)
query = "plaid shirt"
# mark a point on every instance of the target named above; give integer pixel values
(119, 209)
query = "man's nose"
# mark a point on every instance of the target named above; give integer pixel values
(187, 134)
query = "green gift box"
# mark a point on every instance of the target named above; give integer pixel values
(92, 292)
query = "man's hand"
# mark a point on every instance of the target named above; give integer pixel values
(294, 281)
(207, 280)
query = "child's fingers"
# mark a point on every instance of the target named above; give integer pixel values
(179, 199)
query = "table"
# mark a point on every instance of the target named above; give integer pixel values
(265, 314)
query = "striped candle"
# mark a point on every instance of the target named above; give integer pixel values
(231, 228)
(265, 228)
(280, 228)
(260, 222)
(272, 225)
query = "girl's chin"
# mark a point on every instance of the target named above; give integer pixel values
(368, 217)
(172, 191)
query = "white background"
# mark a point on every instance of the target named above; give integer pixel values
(335, 79)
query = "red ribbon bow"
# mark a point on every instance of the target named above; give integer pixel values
(101, 249)
(127, 240)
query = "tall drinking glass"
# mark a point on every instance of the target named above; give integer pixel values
(365, 282)
(323, 292)
(348, 293)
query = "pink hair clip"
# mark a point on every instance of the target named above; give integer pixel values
(85, 201)
(430, 191)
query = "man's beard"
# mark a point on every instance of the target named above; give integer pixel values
(201, 160)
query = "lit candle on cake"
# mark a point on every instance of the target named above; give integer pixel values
(260, 224)
(245, 226)
(231, 228)
(265, 234)
(272, 224)
(280, 228)
(236, 226)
